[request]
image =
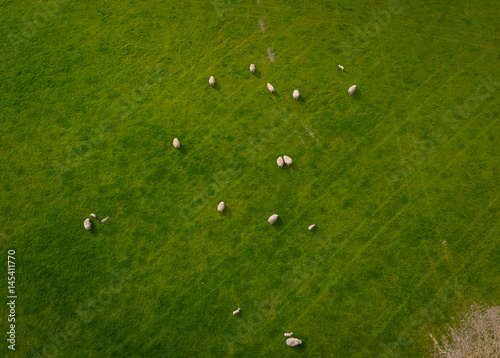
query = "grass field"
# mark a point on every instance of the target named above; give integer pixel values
(402, 178)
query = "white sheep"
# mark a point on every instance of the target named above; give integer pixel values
(105, 219)
(288, 160)
(312, 227)
(270, 87)
(252, 68)
(93, 215)
(279, 161)
(292, 342)
(177, 144)
(221, 206)
(272, 219)
(352, 89)
(87, 224)
(288, 334)
(236, 311)
(296, 94)
(211, 81)
(341, 67)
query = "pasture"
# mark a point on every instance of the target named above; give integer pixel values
(401, 178)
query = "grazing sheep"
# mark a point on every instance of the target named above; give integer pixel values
(280, 162)
(105, 219)
(296, 94)
(177, 144)
(221, 206)
(252, 68)
(236, 312)
(270, 87)
(288, 334)
(292, 342)
(352, 89)
(288, 160)
(211, 81)
(312, 227)
(93, 215)
(272, 219)
(341, 67)
(87, 224)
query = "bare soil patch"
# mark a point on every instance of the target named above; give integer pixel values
(475, 335)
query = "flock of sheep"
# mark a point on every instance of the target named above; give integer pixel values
(87, 224)
(292, 342)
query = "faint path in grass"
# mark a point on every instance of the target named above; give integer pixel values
(295, 130)
(311, 133)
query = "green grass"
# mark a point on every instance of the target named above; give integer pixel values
(92, 101)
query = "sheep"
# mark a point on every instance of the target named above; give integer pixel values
(352, 89)
(93, 215)
(221, 206)
(211, 81)
(288, 334)
(272, 219)
(87, 224)
(270, 87)
(312, 227)
(296, 94)
(177, 144)
(252, 68)
(292, 342)
(280, 162)
(105, 219)
(288, 160)
(341, 67)
(236, 311)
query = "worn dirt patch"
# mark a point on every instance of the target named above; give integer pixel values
(475, 335)
(262, 27)
(270, 55)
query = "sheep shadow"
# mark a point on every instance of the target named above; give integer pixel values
(278, 224)
(227, 213)
(96, 223)
(94, 231)
(257, 73)
(216, 86)
(357, 94)
(301, 100)
(183, 150)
